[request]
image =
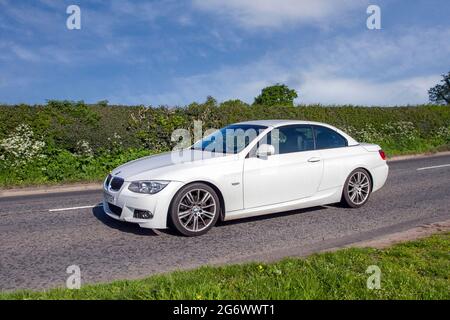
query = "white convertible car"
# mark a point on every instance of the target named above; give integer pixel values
(245, 169)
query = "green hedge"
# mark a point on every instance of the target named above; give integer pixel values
(79, 141)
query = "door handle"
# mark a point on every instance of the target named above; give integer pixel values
(314, 159)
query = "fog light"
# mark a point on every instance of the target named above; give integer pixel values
(142, 214)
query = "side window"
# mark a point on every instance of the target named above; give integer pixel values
(288, 139)
(327, 138)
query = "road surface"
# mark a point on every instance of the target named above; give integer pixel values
(41, 235)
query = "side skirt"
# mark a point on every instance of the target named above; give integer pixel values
(322, 198)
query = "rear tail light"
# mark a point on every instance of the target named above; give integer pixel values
(382, 154)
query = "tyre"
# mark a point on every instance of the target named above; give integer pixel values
(195, 209)
(357, 189)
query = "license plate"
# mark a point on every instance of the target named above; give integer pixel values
(108, 197)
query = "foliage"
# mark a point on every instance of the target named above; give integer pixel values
(63, 166)
(276, 95)
(73, 141)
(20, 146)
(440, 93)
(413, 270)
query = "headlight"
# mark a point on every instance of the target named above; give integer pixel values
(149, 187)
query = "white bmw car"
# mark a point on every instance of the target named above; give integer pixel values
(243, 170)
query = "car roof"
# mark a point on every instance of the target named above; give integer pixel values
(277, 123)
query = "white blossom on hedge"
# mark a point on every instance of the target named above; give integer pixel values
(115, 142)
(366, 134)
(401, 130)
(443, 133)
(21, 146)
(83, 148)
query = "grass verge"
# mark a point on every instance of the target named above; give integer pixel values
(412, 270)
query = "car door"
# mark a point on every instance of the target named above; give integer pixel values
(293, 172)
(335, 155)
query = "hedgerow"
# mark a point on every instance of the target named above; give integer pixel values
(74, 141)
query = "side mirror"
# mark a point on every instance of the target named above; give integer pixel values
(265, 150)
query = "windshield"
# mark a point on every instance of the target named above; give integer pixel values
(230, 139)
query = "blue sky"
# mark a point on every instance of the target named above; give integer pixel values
(175, 52)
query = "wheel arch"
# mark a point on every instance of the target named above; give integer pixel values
(345, 198)
(208, 183)
(363, 168)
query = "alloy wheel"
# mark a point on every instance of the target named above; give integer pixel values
(196, 210)
(358, 187)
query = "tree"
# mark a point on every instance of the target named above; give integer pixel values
(278, 94)
(440, 93)
(103, 103)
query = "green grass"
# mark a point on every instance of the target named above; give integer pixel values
(413, 270)
(420, 146)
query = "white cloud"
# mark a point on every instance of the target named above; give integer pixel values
(384, 54)
(327, 89)
(274, 13)
(23, 53)
(389, 69)
(225, 83)
(315, 86)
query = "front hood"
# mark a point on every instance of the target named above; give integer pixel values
(169, 159)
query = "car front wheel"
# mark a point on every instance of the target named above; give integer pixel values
(357, 189)
(195, 209)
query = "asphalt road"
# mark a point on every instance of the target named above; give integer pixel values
(37, 245)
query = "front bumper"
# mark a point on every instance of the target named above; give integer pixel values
(128, 201)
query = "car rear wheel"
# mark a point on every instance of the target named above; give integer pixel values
(357, 189)
(195, 209)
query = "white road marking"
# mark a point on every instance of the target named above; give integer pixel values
(434, 167)
(74, 208)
